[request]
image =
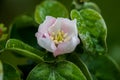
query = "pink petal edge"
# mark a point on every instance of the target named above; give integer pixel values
(66, 47)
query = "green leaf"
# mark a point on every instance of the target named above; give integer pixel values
(62, 70)
(92, 30)
(91, 5)
(24, 28)
(1, 70)
(8, 72)
(13, 58)
(50, 8)
(24, 49)
(76, 60)
(2, 44)
(102, 67)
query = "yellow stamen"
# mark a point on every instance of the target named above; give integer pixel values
(51, 38)
(60, 41)
(59, 37)
(56, 42)
(67, 39)
(65, 35)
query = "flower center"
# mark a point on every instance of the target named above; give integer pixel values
(59, 37)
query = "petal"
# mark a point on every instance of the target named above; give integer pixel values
(69, 27)
(42, 35)
(56, 26)
(67, 47)
(47, 44)
(47, 23)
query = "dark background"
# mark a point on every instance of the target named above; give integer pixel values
(110, 11)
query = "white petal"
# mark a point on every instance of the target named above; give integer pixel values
(47, 23)
(56, 26)
(47, 44)
(42, 35)
(67, 47)
(69, 26)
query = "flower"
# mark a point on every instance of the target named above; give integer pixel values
(58, 36)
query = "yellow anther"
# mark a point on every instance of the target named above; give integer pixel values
(65, 35)
(67, 39)
(56, 42)
(51, 38)
(56, 37)
(59, 37)
(60, 41)
(53, 33)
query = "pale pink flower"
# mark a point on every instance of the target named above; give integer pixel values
(58, 36)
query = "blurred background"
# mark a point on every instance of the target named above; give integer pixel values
(110, 11)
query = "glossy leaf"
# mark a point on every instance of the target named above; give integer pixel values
(63, 70)
(91, 5)
(92, 30)
(102, 67)
(1, 70)
(13, 58)
(2, 44)
(25, 64)
(24, 49)
(79, 5)
(50, 8)
(76, 60)
(8, 72)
